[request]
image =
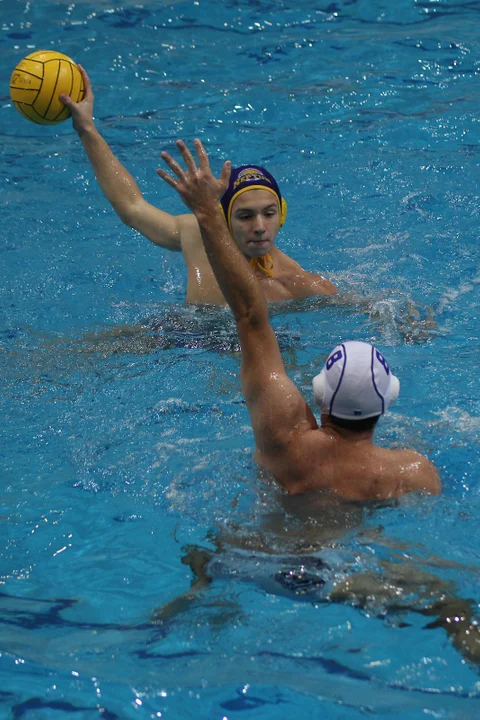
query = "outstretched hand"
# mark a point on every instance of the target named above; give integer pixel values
(197, 186)
(82, 112)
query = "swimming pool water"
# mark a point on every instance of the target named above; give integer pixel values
(125, 439)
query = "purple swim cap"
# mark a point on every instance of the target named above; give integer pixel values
(250, 177)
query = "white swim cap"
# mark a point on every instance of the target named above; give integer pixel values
(355, 383)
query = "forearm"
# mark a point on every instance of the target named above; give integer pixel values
(117, 184)
(234, 274)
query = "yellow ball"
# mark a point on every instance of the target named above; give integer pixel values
(37, 83)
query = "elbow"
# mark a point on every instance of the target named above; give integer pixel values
(126, 215)
(130, 210)
(125, 221)
(249, 318)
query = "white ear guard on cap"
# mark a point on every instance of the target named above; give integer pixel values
(355, 383)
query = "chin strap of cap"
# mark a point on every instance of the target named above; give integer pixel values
(265, 264)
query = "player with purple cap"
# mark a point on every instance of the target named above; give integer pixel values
(353, 390)
(254, 219)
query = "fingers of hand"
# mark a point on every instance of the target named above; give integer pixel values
(202, 155)
(187, 156)
(194, 177)
(86, 82)
(225, 174)
(168, 178)
(173, 165)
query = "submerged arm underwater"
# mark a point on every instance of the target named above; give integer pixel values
(387, 593)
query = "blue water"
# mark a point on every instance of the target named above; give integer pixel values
(125, 438)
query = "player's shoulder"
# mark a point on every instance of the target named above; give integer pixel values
(292, 274)
(286, 263)
(416, 471)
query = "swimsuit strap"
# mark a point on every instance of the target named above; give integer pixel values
(265, 264)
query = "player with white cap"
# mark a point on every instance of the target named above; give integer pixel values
(353, 390)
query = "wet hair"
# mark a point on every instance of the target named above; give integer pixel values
(356, 425)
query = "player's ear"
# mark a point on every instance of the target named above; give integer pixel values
(318, 384)
(393, 389)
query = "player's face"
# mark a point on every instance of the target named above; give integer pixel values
(255, 222)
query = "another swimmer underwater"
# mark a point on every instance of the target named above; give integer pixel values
(353, 390)
(252, 203)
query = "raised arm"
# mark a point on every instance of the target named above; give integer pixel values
(117, 184)
(277, 409)
(200, 191)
